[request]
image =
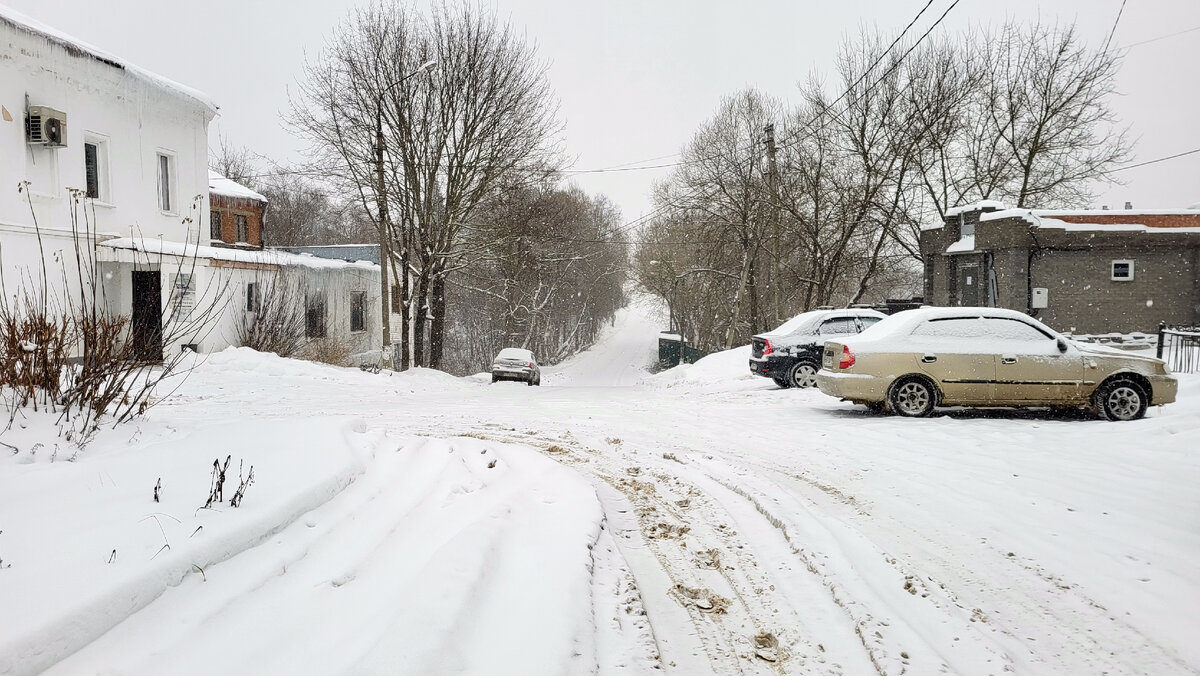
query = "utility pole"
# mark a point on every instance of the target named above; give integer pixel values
(385, 235)
(773, 187)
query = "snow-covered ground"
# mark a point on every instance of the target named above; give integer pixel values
(695, 521)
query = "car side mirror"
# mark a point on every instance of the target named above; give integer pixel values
(1062, 345)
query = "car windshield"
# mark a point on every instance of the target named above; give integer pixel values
(515, 353)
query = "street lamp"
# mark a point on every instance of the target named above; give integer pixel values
(385, 251)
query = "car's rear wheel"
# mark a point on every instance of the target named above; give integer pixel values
(1121, 399)
(912, 397)
(803, 374)
(782, 382)
(494, 379)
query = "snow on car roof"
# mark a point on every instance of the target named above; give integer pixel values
(515, 353)
(904, 322)
(805, 318)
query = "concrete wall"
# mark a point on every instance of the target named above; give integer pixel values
(1084, 299)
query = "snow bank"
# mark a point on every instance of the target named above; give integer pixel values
(454, 556)
(85, 545)
(725, 370)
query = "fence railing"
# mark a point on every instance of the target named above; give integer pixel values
(1180, 348)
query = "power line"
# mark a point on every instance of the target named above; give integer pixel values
(1114, 26)
(809, 124)
(1142, 164)
(1161, 37)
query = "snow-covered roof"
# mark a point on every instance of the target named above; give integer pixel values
(1194, 206)
(978, 206)
(220, 185)
(79, 48)
(963, 245)
(1045, 218)
(156, 246)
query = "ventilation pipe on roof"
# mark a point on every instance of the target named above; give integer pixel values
(1128, 206)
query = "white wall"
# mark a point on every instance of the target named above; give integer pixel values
(135, 120)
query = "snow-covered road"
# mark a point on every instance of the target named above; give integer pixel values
(698, 521)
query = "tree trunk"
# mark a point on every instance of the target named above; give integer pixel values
(437, 325)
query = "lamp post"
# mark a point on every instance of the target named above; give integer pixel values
(385, 250)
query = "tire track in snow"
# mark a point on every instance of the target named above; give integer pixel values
(1007, 630)
(753, 629)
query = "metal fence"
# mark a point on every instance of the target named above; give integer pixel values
(1180, 348)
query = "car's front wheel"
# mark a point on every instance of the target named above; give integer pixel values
(1121, 399)
(912, 397)
(803, 374)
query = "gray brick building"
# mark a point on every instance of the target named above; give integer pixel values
(1077, 271)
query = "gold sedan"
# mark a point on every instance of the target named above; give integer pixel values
(917, 360)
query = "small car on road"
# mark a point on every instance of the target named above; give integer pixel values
(514, 363)
(791, 354)
(919, 359)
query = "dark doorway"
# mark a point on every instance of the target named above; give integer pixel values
(968, 285)
(146, 328)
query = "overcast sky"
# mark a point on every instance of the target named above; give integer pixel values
(636, 78)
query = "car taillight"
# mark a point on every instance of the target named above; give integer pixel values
(847, 358)
(529, 365)
(767, 349)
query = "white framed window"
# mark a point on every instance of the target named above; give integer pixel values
(95, 168)
(1122, 270)
(165, 167)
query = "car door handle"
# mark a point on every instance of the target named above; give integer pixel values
(929, 358)
(1008, 359)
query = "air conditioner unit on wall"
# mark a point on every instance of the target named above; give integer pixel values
(45, 126)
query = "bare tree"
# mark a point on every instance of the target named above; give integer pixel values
(1047, 95)
(453, 135)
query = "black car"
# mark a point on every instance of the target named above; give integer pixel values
(791, 354)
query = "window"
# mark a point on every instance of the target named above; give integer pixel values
(314, 314)
(166, 185)
(952, 327)
(1012, 329)
(868, 322)
(838, 327)
(251, 296)
(95, 167)
(1122, 271)
(358, 311)
(91, 167)
(214, 224)
(243, 228)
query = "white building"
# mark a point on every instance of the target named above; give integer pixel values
(106, 163)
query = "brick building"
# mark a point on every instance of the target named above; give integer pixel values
(236, 214)
(1078, 271)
